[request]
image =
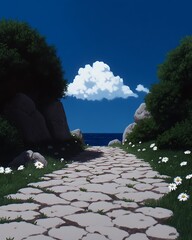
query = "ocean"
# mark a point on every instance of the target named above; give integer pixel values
(100, 139)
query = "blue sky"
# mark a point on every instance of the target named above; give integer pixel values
(107, 49)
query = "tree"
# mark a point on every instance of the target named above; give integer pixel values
(28, 64)
(170, 101)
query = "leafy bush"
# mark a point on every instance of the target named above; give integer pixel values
(28, 64)
(178, 137)
(145, 130)
(169, 101)
(10, 139)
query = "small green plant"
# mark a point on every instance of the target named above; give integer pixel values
(128, 200)
(101, 212)
(129, 185)
(83, 189)
(77, 170)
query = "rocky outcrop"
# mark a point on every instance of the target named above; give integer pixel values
(128, 130)
(22, 111)
(115, 141)
(78, 134)
(27, 157)
(37, 127)
(56, 120)
(141, 113)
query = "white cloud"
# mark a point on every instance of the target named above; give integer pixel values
(141, 88)
(97, 82)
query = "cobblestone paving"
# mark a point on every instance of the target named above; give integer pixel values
(100, 196)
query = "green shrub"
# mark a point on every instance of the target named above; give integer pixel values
(28, 64)
(178, 137)
(145, 130)
(10, 139)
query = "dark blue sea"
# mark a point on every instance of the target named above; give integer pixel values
(100, 139)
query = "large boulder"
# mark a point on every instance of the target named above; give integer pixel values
(141, 113)
(56, 121)
(115, 141)
(128, 130)
(78, 134)
(26, 157)
(22, 111)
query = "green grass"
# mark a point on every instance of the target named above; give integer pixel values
(182, 218)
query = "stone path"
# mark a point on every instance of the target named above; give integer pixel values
(100, 196)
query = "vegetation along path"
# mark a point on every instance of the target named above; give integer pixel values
(100, 196)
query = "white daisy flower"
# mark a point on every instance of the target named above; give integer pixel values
(172, 186)
(8, 170)
(178, 180)
(189, 176)
(2, 169)
(165, 159)
(133, 145)
(140, 142)
(183, 197)
(183, 164)
(20, 167)
(160, 157)
(187, 152)
(144, 149)
(125, 140)
(152, 145)
(62, 159)
(38, 164)
(155, 148)
(139, 150)
(130, 143)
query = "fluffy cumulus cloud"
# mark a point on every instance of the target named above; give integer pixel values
(97, 82)
(141, 88)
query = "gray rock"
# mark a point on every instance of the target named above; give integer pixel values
(128, 130)
(22, 111)
(26, 157)
(37, 157)
(115, 141)
(141, 113)
(56, 121)
(77, 133)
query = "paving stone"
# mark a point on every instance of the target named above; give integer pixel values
(161, 184)
(84, 196)
(104, 206)
(151, 180)
(19, 207)
(162, 232)
(90, 219)
(67, 232)
(134, 221)
(47, 183)
(137, 236)
(19, 196)
(19, 230)
(126, 190)
(139, 196)
(49, 198)
(128, 205)
(59, 172)
(62, 189)
(30, 190)
(143, 186)
(80, 204)
(104, 178)
(124, 182)
(107, 188)
(158, 213)
(161, 190)
(49, 222)
(133, 174)
(38, 237)
(60, 210)
(94, 236)
(118, 213)
(11, 215)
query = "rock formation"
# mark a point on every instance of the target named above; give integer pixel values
(140, 113)
(115, 141)
(77, 133)
(35, 126)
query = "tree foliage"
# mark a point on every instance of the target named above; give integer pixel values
(28, 64)
(170, 101)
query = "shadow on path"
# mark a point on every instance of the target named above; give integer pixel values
(87, 155)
